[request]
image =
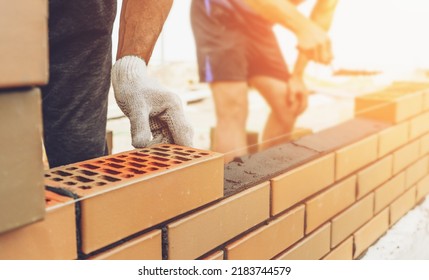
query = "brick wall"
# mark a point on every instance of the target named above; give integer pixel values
(329, 195)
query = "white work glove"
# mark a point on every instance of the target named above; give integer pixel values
(156, 114)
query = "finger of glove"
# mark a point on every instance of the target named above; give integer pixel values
(179, 128)
(140, 128)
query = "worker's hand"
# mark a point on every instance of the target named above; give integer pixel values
(315, 44)
(297, 97)
(156, 114)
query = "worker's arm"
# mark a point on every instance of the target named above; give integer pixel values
(312, 39)
(141, 23)
(156, 115)
(321, 15)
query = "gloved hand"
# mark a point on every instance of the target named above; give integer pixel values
(156, 114)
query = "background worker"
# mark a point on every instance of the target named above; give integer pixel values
(75, 100)
(236, 49)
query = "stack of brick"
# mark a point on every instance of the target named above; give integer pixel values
(23, 67)
(329, 195)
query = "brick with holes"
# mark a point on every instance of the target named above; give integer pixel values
(129, 192)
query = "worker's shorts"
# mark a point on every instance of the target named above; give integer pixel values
(75, 100)
(234, 44)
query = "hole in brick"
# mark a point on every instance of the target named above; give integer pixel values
(152, 168)
(161, 150)
(126, 176)
(140, 154)
(122, 156)
(99, 184)
(159, 164)
(136, 171)
(47, 175)
(110, 179)
(71, 168)
(197, 156)
(110, 171)
(146, 151)
(180, 153)
(177, 162)
(56, 179)
(85, 187)
(178, 149)
(160, 154)
(204, 154)
(160, 158)
(47, 200)
(137, 165)
(114, 165)
(87, 172)
(83, 179)
(99, 161)
(70, 183)
(181, 158)
(116, 160)
(190, 151)
(138, 159)
(62, 173)
(90, 166)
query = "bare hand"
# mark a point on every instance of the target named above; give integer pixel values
(315, 44)
(297, 97)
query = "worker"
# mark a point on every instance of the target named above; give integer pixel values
(237, 49)
(75, 100)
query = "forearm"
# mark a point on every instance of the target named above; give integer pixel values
(321, 15)
(282, 12)
(141, 23)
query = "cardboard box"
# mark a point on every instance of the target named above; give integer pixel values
(22, 198)
(23, 43)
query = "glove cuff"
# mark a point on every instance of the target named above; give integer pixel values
(129, 67)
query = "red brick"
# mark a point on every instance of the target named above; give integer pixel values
(133, 191)
(197, 234)
(270, 240)
(329, 203)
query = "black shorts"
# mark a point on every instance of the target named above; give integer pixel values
(234, 44)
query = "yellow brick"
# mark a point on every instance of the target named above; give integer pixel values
(419, 125)
(369, 233)
(426, 100)
(402, 205)
(329, 203)
(197, 234)
(423, 188)
(416, 172)
(405, 156)
(344, 251)
(392, 138)
(313, 247)
(146, 247)
(270, 240)
(350, 220)
(217, 256)
(389, 106)
(389, 191)
(424, 145)
(355, 156)
(300, 183)
(373, 176)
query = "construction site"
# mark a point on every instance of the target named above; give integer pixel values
(348, 182)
